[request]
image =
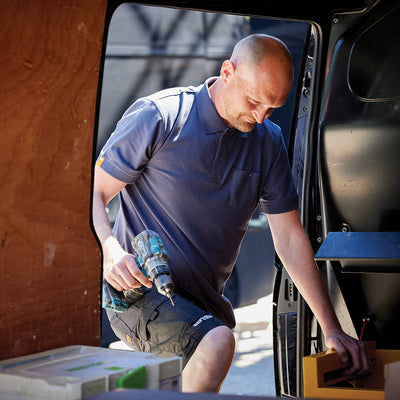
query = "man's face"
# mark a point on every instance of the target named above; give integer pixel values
(250, 96)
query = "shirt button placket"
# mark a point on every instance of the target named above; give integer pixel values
(218, 165)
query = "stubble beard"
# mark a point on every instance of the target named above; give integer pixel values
(240, 121)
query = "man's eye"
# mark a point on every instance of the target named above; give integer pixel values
(252, 101)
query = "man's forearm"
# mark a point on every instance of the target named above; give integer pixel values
(109, 243)
(299, 262)
(105, 188)
(120, 269)
(100, 219)
(295, 251)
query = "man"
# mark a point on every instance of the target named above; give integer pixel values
(192, 164)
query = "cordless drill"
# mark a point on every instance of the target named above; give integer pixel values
(152, 258)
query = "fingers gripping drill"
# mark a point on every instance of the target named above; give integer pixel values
(152, 258)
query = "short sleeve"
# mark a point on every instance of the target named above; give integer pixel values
(131, 145)
(279, 194)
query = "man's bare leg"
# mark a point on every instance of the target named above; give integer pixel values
(210, 363)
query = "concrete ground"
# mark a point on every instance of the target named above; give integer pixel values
(252, 371)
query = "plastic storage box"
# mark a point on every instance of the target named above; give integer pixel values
(77, 372)
(323, 378)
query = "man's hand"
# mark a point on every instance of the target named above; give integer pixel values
(120, 268)
(350, 350)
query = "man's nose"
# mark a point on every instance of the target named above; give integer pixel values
(261, 113)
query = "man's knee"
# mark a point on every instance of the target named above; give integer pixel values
(223, 336)
(213, 356)
(218, 340)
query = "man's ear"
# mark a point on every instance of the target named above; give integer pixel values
(227, 70)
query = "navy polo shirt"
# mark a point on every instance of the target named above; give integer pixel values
(197, 186)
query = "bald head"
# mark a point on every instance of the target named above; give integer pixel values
(253, 82)
(256, 49)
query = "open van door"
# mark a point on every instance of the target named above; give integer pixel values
(344, 153)
(344, 150)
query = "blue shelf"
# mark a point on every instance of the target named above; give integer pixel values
(362, 251)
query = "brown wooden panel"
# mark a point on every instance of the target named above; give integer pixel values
(49, 260)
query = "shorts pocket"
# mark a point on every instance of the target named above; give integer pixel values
(149, 306)
(244, 190)
(126, 326)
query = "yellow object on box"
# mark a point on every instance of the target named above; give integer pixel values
(323, 378)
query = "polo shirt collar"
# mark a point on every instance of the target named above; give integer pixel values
(210, 119)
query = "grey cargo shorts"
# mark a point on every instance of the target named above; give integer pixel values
(152, 324)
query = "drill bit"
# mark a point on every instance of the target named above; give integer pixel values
(170, 297)
(167, 291)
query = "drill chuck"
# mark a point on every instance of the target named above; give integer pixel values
(152, 257)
